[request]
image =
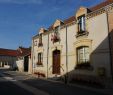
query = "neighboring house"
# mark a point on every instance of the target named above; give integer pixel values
(80, 46)
(7, 58)
(23, 59)
(19, 59)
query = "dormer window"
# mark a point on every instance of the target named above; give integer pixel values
(42, 30)
(57, 23)
(40, 59)
(81, 26)
(40, 41)
(81, 23)
(56, 26)
(55, 37)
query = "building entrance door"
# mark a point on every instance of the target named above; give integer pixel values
(56, 62)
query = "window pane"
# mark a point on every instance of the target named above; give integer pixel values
(83, 55)
(40, 58)
(81, 23)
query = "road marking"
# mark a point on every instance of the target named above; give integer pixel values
(7, 78)
(29, 88)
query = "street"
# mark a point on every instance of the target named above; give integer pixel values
(16, 83)
(8, 88)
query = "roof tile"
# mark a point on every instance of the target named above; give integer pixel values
(103, 4)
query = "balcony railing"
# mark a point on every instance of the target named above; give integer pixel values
(39, 63)
(55, 38)
(82, 33)
(40, 44)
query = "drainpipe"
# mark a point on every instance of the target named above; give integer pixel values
(109, 39)
(47, 54)
(66, 75)
(32, 55)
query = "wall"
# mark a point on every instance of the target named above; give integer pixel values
(20, 65)
(110, 22)
(97, 40)
(8, 60)
(100, 55)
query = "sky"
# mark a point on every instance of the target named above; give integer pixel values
(20, 20)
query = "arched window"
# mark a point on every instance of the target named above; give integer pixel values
(82, 55)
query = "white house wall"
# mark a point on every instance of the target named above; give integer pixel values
(20, 65)
(98, 32)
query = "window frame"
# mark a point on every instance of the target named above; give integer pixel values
(81, 23)
(40, 41)
(40, 58)
(83, 55)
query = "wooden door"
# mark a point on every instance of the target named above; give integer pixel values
(56, 62)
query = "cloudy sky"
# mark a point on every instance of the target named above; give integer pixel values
(21, 19)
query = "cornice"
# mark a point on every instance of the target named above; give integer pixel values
(100, 11)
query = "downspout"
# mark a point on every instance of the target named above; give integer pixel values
(47, 53)
(109, 39)
(66, 76)
(32, 55)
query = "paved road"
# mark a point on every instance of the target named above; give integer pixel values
(10, 84)
(8, 88)
(59, 89)
(40, 86)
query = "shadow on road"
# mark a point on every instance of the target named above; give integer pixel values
(55, 88)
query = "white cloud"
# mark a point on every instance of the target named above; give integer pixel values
(22, 1)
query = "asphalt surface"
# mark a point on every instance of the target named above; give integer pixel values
(50, 88)
(59, 89)
(8, 88)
